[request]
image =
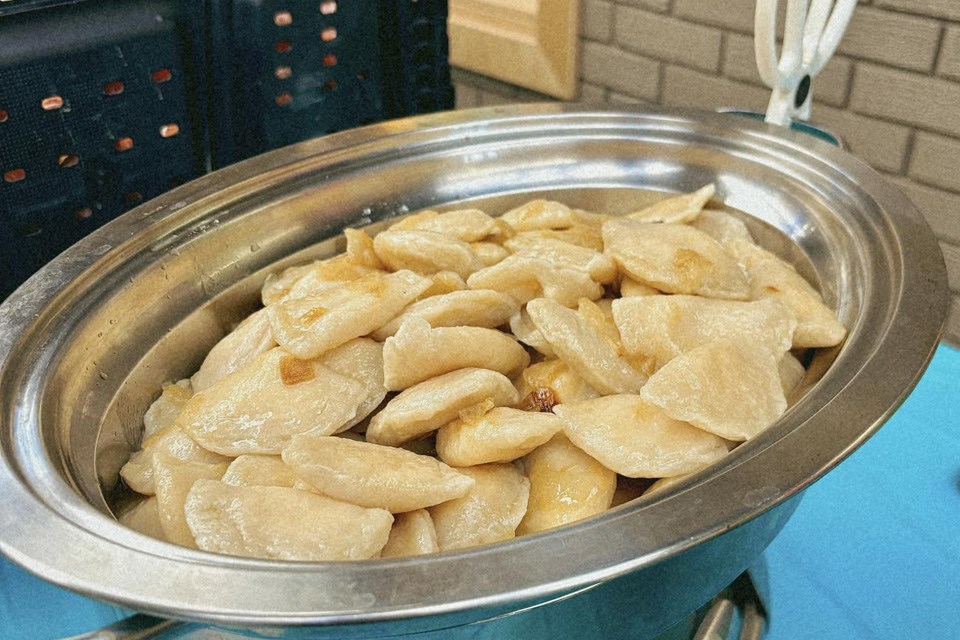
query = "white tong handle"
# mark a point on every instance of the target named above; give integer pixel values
(811, 35)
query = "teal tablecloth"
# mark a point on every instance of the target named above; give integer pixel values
(872, 553)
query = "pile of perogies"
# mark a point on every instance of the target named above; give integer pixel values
(460, 379)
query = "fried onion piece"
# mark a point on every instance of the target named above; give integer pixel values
(555, 376)
(360, 249)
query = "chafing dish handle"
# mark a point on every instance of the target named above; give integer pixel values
(743, 595)
(136, 627)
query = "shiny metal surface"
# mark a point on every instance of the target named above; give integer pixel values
(85, 344)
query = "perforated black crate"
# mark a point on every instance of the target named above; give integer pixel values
(104, 104)
(416, 57)
(293, 70)
(99, 110)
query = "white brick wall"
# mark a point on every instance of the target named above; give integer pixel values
(893, 91)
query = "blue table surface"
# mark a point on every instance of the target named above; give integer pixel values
(872, 553)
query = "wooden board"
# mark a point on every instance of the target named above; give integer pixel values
(529, 43)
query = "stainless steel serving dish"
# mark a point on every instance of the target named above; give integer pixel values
(85, 344)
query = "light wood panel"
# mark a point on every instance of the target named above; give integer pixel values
(530, 43)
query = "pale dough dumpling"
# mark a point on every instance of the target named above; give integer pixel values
(583, 348)
(526, 332)
(489, 253)
(638, 439)
(771, 277)
(490, 512)
(308, 327)
(722, 226)
(372, 475)
(682, 208)
(360, 249)
(524, 278)
(425, 252)
(429, 405)
(674, 258)
(554, 379)
(664, 483)
(468, 225)
(165, 409)
(413, 534)
(540, 214)
(441, 283)
(174, 478)
(260, 471)
(277, 285)
(499, 435)
(468, 308)
(251, 338)
(791, 373)
(582, 235)
(549, 268)
(663, 327)
(259, 407)
(419, 352)
(630, 288)
(565, 255)
(731, 389)
(278, 523)
(313, 279)
(362, 360)
(171, 442)
(566, 485)
(144, 517)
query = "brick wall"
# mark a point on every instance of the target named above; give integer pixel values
(892, 91)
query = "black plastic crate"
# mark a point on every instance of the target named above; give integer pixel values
(293, 70)
(100, 109)
(104, 104)
(416, 57)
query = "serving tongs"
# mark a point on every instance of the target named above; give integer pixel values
(811, 34)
